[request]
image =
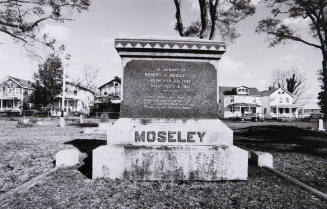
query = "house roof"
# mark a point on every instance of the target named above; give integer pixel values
(226, 90)
(23, 83)
(270, 91)
(80, 87)
(115, 79)
(244, 105)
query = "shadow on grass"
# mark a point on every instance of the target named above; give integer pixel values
(84, 125)
(282, 139)
(86, 146)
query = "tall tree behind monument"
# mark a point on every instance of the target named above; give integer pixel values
(291, 80)
(22, 20)
(48, 81)
(278, 31)
(217, 17)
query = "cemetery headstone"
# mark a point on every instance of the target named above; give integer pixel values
(321, 125)
(168, 127)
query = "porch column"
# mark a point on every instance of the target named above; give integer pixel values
(1, 104)
(290, 111)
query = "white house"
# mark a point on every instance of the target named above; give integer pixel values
(13, 93)
(77, 100)
(279, 103)
(235, 102)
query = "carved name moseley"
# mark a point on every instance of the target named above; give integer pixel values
(169, 136)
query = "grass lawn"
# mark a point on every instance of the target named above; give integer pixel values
(27, 152)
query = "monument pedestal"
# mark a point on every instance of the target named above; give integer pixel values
(167, 163)
(170, 149)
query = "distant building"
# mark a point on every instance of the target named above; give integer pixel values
(310, 107)
(13, 93)
(279, 103)
(235, 102)
(78, 100)
(111, 90)
(109, 97)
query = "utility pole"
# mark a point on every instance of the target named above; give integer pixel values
(64, 65)
(62, 117)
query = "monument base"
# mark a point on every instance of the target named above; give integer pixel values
(168, 163)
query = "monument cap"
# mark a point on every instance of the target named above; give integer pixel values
(190, 48)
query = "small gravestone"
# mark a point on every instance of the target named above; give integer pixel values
(321, 125)
(66, 158)
(104, 118)
(81, 121)
(168, 127)
(104, 122)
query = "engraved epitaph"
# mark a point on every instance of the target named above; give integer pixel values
(169, 89)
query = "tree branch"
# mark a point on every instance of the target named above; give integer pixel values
(179, 24)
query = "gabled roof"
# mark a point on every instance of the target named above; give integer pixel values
(23, 83)
(226, 90)
(267, 92)
(270, 91)
(80, 87)
(115, 79)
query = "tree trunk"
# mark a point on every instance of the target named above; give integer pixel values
(213, 15)
(204, 8)
(178, 15)
(323, 93)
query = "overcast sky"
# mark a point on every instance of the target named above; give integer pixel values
(249, 61)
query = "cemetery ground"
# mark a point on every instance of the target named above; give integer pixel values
(27, 152)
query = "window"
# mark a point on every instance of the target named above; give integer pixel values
(115, 84)
(17, 90)
(232, 99)
(273, 109)
(280, 100)
(9, 82)
(287, 110)
(265, 111)
(75, 92)
(105, 93)
(9, 90)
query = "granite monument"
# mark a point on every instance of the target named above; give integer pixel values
(169, 127)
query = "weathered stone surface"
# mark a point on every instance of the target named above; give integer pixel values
(261, 158)
(169, 89)
(68, 157)
(208, 163)
(151, 132)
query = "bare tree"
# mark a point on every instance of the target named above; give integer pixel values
(313, 11)
(215, 16)
(89, 78)
(22, 20)
(291, 80)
